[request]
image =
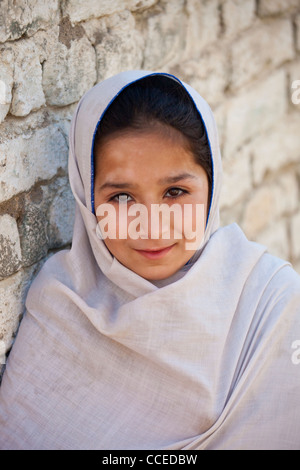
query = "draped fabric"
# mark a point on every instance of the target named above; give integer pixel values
(105, 359)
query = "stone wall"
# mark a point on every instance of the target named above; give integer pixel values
(243, 56)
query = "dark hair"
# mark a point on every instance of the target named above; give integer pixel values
(154, 100)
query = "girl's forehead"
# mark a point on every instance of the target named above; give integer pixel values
(151, 157)
(136, 148)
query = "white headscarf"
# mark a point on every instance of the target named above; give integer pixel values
(105, 359)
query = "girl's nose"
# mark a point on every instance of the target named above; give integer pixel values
(164, 220)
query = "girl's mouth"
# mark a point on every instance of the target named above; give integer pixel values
(155, 253)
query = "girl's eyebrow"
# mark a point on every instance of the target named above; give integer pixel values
(176, 178)
(110, 185)
(167, 180)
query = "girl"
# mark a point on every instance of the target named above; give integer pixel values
(132, 341)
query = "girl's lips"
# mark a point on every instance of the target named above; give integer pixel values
(155, 254)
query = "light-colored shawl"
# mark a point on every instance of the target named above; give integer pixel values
(105, 359)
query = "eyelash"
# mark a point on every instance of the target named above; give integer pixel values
(182, 193)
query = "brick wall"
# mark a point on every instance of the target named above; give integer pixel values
(243, 56)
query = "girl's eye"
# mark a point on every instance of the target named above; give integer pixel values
(121, 198)
(175, 192)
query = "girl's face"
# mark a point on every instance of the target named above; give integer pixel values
(150, 168)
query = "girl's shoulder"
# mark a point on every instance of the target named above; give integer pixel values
(279, 274)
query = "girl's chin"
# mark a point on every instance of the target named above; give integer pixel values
(157, 273)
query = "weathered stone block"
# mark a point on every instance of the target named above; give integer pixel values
(69, 72)
(236, 179)
(13, 291)
(298, 32)
(269, 203)
(237, 15)
(6, 80)
(95, 29)
(294, 70)
(79, 10)
(46, 41)
(164, 35)
(203, 26)
(61, 215)
(249, 59)
(271, 7)
(259, 212)
(255, 111)
(10, 250)
(19, 17)
(33, 234)
(4, 108)
(286, 193)
(220, 117)
(119, 46)
(208, 75)
(28, 92)
(45, 219)
(31, 158)
(231, 215)
(276, 149)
